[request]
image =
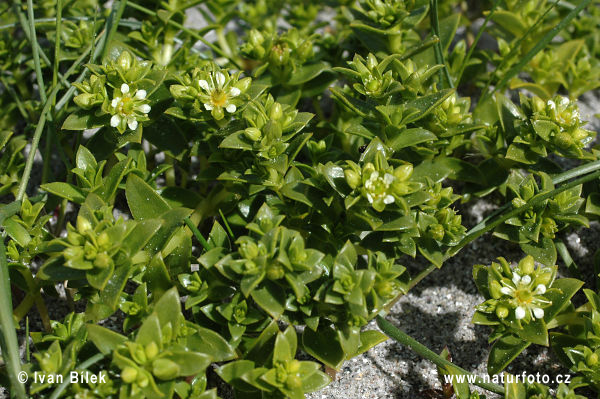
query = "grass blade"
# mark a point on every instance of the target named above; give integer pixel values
(477, 38)
(10, 345)
(400, 336)
(35, 47)
(445, 79)
(189, 32)
(544, 41)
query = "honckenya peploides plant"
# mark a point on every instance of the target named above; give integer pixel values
(224, 203)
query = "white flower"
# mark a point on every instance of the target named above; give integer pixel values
(538, 313)
(540, 289)
(218, 93)
(377, 187)
(522, 295)
(127, 110)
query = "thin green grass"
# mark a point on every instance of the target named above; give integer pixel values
(8, 341)
(445, 79)
(540, 45)
(35, 48)
(476, 41)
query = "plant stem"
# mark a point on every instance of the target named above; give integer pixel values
(189, 32)
(10, 345)
(25, 26)
(91, 361)
(484, 227)
(537, 199)
(229, 231)
(197, 234)
(445, 79)
(390, 330)
(112, 23)
(35, 143)
(540, 45)
(474, 44)
(35, 47)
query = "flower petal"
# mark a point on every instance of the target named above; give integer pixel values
(140, 94)
(538, 313)
(115, 102)
(388, 179)
(220, 78)
(389, 199)
(234, 92)
(204, 84)
(231, 108)
(506, 290)
(124, 88)
(519, 313)
(540, 289)
(115, 120)
(208, 107)
(144, 108)
(133, 124)
(526, 280)
(516, 278)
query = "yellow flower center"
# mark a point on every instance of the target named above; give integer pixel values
(219, 98)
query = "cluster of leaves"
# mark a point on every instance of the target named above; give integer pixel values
(275, 180)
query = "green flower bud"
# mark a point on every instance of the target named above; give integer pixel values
(138, 354)
(403, 172)
(275, 271)
(103, 261)
(151, 350)
(85, 100)
(129, 375)
(276, 111)
(305, 51)
(436, 231)
(371, 62)
(243, 84)
(218, 113)
(518, 202)
(253, 134)
(527, 265)
(73, 252)
(538, 105)
(372, 85)
(502, 311)
(279, 54)
(165, 369)
(103, 240)
(563, 140)
(180, 92)
(352, 178)
(495, 288)
(125, 60)
(293, 382)
(256, 38)
(591, 359)
(580, 134)
(385, 289)
(83, 224)
(142, 380)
